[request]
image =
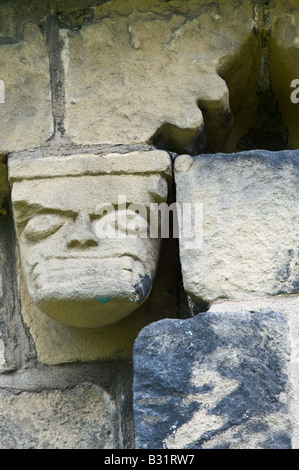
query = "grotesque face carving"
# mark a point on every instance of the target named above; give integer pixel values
(86, 253)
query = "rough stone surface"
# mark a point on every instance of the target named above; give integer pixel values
(83, 417)
(84, 266)
(148, 67)
(250, 224)
(219, 380)
(26, 117)
(289, 307)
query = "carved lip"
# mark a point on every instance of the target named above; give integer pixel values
(95, 257)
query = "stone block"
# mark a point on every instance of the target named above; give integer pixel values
(250, 205)
(148, 68)
(25, 115)
(216, 381)
(83, 417)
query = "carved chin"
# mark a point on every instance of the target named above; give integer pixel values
(88, 314)
(91, 296)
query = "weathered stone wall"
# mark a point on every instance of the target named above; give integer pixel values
(86, 80)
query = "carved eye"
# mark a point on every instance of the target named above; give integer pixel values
(43, 226)
(121, 222)
(136, 224)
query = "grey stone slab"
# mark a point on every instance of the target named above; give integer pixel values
(218, 380)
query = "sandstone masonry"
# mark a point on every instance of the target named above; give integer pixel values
(168, 101)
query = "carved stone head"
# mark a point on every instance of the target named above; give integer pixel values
(86, 254)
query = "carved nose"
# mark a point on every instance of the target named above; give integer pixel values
(81, 234)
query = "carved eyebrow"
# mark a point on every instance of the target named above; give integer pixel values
(25, 211)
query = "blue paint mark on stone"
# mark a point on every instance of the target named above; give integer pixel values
(104, 300)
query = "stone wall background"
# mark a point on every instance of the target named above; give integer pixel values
(101, 76)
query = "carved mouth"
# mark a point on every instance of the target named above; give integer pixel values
(85, 273)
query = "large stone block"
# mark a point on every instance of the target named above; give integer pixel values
(148, 67)
(84, 417)
(25, 115)
(250, 204)
(219, 380)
